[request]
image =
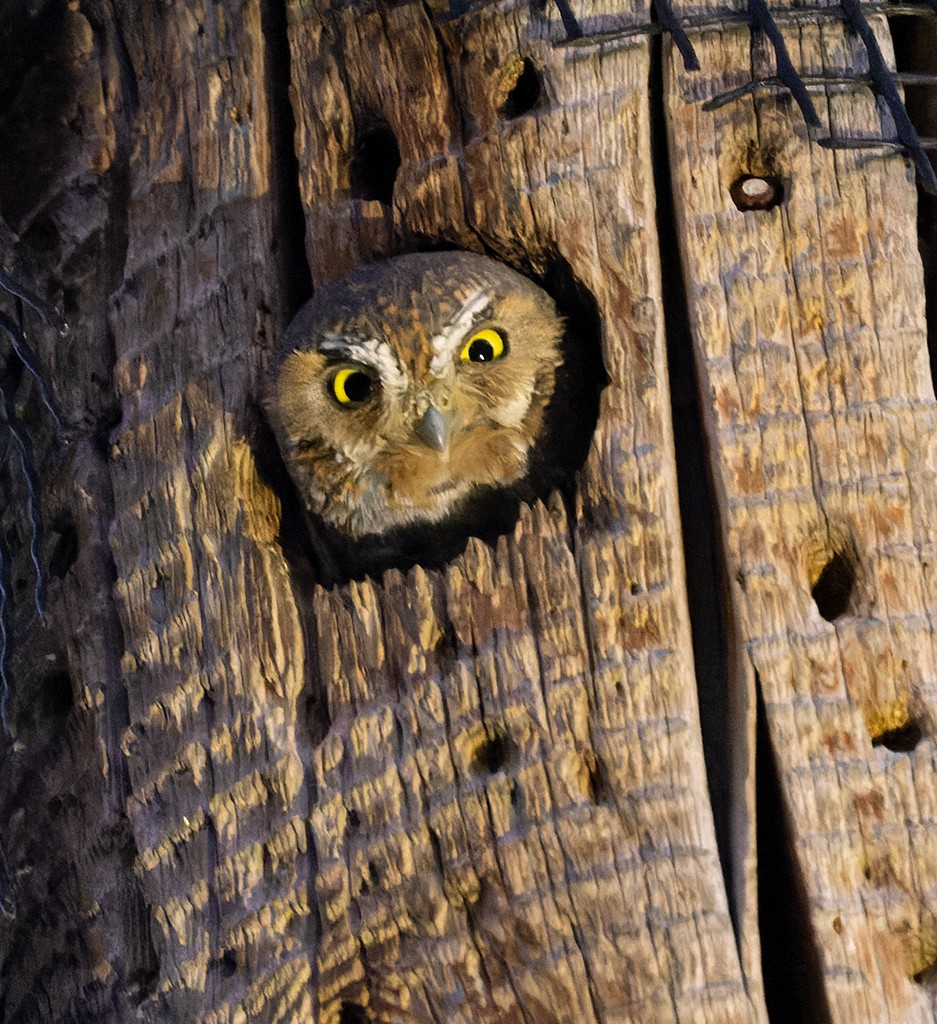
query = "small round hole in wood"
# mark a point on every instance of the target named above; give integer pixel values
(833, 588)
(754, 192)
(493, 754)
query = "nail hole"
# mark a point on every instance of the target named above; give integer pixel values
(901, 740)
(229, 965)
(375, 164)
(524, 89)
(834, 587)
(754, 192)
(65, 551)
(352, 1013)
(493, 754)
(354, 818)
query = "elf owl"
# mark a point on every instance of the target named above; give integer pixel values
(410, 393)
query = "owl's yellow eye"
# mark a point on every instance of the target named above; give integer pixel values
(483, 347)
(352, 386)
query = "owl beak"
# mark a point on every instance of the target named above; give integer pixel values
(433, 430)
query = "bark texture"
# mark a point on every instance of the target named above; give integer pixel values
(476, 794)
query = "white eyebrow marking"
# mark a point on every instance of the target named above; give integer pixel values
(373, 352)
(445, 344)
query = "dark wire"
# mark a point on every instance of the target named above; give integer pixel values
(887, 89)
(761, 20)
(669, 22)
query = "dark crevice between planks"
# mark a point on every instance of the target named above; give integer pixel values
(790, 962)
(915, 43)
(295, 282)
(705, 570)
(289, 222)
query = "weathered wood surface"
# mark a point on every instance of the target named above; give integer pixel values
(576, 878)
(809, 330)
(475, 794)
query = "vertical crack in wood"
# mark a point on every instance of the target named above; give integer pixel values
(289, 222)
(915, 44)
(705, 568)
(790, 960)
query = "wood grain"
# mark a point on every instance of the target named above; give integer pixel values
(511, 818)
(808, 321)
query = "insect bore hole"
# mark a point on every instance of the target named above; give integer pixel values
(374, 165)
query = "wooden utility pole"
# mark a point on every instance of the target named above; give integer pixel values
(474, 794)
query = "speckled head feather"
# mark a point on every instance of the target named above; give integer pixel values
(407, 386)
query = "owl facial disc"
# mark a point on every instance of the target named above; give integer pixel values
(469, 336)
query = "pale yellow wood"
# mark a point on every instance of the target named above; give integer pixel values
(808, 322)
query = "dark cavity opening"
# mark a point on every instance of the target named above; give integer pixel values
(834, 586)
(525, 94)
(495, 753)
(65, 548)
(927, 976)
(289, 246)
(55, 696)
(915, 43)
(374, 164)
(790, 964)
(600, 791)
(565, 438)
(902, 740)
(352, 1013)
(229, 965)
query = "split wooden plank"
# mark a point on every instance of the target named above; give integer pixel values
(213, 651)
(808, 322)
(511, 820)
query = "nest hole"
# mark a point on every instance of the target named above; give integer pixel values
(374, 165)
(833, 589)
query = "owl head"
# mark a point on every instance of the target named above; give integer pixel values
(410, 385)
